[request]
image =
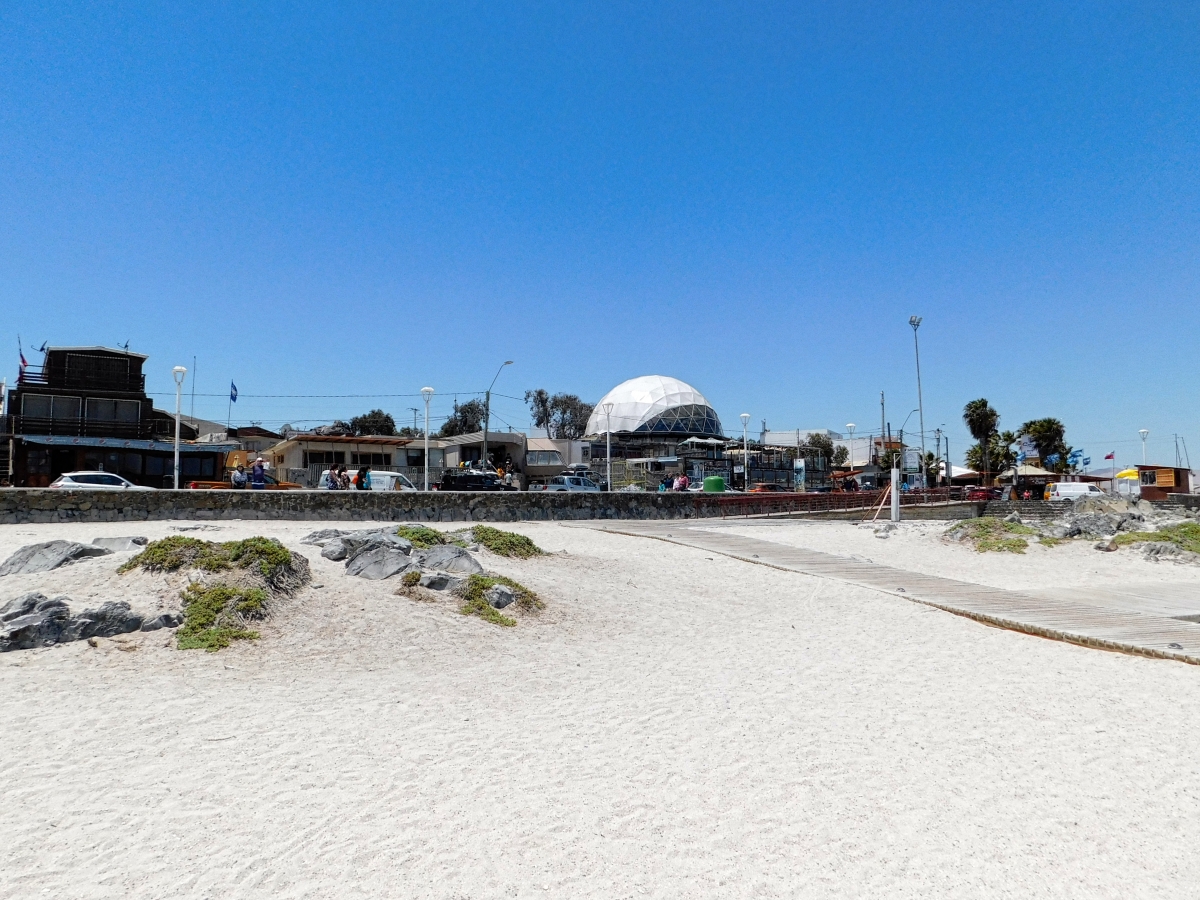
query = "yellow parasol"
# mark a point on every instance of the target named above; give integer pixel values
(1128, 473)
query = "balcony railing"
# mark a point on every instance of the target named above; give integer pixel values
(146, 430)
(64, 377)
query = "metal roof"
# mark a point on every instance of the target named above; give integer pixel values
(123, 443)
(116, 350)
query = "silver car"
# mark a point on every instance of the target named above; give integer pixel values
(571, 483)
(95, 481)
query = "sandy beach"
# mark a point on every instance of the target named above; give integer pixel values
(674, 724)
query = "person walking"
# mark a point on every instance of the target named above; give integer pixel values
(239, 478)
(331, 479)
(258, 475)
(343, 479)
(362, 481)
(684, 481)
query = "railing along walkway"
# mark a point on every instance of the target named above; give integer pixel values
(1059, 618)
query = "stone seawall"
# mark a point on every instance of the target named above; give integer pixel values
(34, 505)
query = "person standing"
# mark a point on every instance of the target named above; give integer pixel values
(239, 478)
(258, 475)
(362, 481)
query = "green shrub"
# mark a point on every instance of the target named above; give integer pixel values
(505, 543)
(179, 552)
(475, 604)
(411, 578)
(213, 614)
(1185, 535)
(421, 537)
(993, 535)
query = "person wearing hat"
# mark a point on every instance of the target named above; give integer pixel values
(239, 478)
(258, 475)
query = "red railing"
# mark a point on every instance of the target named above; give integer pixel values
(774, 503)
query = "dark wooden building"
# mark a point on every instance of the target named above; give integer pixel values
(86, 408)
(1157, 482)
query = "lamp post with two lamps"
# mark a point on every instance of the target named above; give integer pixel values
(178, 373)
(607, 409)
(427, 393)
(745, 417)
(915, 322)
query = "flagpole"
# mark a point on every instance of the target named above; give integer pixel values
(229, 412)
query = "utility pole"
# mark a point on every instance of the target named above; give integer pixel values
(882, 431)
(487, 414)
(414, 410)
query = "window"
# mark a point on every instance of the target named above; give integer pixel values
(324, 458)
(545, 458)
(155, 465)
(1148, 478)
(370, 459)
(110, 480)
(99, 410)
(42, 406)
(189, 465)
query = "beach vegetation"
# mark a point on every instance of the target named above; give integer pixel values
(990, 535)
(411, 578)
(475, 604)
(1185, 535)
(215, 615)
(505, 543)
(170, 554)
(421, 537)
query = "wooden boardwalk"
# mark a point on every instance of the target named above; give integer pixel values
(1138, 622)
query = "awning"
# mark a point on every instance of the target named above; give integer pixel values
(54, 440)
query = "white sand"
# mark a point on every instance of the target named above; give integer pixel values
(673, 726)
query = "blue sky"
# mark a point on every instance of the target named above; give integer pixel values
(753, 198)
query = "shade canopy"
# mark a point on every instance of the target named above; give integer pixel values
(655, 404)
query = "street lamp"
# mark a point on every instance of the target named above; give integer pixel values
(745, 417)
(1143, 432)
(178, 373)
(607, 408)
(899, 464)
(850, 426)
(915, 322)
(427, 393)
(487, 411)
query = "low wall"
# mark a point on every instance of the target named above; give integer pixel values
(21, 505)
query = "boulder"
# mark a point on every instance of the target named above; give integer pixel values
(335, 550)
(120, 544)
(33, 621)
(323, 537)
(166, 620)
(47, 556)
(378, 563)
(441, 581)
(449, 558)
(367, 541)
(499, 596)
(110, 619)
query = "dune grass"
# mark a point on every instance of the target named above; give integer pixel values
(475, 604)
(214, 615)
(1185, 535)
(178, 552)
(505, 543)
(989, 535)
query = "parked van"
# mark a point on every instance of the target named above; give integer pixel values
(380, 481)
(1071, 490)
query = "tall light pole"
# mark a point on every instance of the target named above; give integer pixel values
(427, 393)
(607, 408)
(178, 373)
(1143, 432)
(745, 417)
(487, 411)
(850, 426)
(915, 322)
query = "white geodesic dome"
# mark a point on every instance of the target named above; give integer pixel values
(655, 404)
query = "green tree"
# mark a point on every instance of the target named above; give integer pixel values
(563, 416)
(840, 455)
(376, 422)
(1049, 436)
(467, 418)
(981, 420)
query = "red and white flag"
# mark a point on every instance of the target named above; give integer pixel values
(1112, 455)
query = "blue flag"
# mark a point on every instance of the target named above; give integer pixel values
(232, 392)
(1087, 460)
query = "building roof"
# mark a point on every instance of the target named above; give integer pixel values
(116, 350)
(378, 440)
(654, 404)
(113, 443)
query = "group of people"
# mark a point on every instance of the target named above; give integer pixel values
(255, 479)
(679, 482)
(338, 480)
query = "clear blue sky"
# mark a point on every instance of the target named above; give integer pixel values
(751, 197)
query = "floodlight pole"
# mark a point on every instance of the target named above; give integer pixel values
(178, 373)
(487, 411)
(915, 322)
(607, 407)
(427, 393)
(745, 417)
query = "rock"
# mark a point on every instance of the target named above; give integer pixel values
(335, 550)
(882, 534)
(449, 558)
(120, 544)
(441, 581)
(1013, 517)
(47, 556)
(38, 622)
(1106, 546)
(323, 537)
(367, 541)
(166, 620)
(499, 596)
(109, 620)
(378, 563)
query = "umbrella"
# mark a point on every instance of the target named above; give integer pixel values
(1128, 473)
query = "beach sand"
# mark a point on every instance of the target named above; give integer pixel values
(675, 724)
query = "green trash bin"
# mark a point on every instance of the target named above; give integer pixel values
(714, 484)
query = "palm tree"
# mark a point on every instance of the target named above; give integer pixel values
(981, 420)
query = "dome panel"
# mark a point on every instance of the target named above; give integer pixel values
(657, 404)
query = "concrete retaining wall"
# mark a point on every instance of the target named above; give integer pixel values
(21, 505)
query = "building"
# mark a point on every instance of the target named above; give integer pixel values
(1158, 482)
(86, 408)
(302, 457)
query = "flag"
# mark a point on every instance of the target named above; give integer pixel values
(232, 392)
(1112, 455)
(1087, 461)
(21, 353)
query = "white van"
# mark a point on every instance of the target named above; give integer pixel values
(1072, 490)
(380, 481)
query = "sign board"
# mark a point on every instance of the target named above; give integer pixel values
(1028, 447)
(1166, 478)
(912, 459)
(798, 474)
(738, 470)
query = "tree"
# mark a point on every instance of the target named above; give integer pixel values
(981, 420)
(467, 418)
(1000, 453)
(563, 416)
(840, 455)
(374, 422)
(1049, 436)
(408, 432)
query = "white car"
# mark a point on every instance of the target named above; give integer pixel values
(571, 483)
(95, 481)
(380, 481)
(1072, 490)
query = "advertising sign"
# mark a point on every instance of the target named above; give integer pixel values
(912, 459)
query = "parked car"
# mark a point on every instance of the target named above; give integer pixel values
(95, 481)
(571, 483)
(767, 487)
(380, 481)
(978, 494)
(472, 480)
(273, 484)
(1071, 490)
